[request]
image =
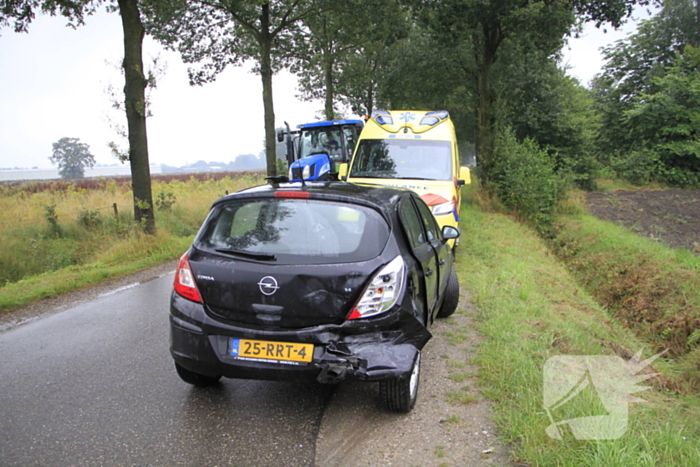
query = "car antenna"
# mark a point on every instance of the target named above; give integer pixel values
(277, 179)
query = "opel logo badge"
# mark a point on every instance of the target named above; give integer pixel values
(268, 285)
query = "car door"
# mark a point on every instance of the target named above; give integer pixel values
(422, 248)
(442, 249)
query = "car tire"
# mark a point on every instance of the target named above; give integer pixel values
(400, 394)
(196, 379)
(449, 304)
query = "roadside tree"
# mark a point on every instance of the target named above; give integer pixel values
(481, 29)
(342, 53)
(219, 33)
(20, 13)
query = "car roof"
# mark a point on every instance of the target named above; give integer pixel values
(380, 198)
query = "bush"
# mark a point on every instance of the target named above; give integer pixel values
(524, 180)
(646, 166)
(638, 167)
(89, 218)
(165, 200)
(52, 218)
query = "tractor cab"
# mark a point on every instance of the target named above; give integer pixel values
(336, 138)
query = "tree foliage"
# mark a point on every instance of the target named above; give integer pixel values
(554, 110)
(666, 123)
(20, 13)
(340, 54)
(482, 29)
(318, 48)
(72, 157)
(647, 97)
(216, 34)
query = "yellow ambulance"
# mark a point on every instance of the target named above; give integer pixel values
(413, 149)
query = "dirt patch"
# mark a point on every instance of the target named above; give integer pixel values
(450, 424)
(668, 216)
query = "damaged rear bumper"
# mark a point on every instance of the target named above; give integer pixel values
(373, 349)
(372, 361)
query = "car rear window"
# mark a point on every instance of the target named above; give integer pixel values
(295, 231)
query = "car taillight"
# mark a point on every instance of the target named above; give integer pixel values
(184, 281)
(382, 292)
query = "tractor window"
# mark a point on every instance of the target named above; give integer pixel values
(350, 140)
(318, 140)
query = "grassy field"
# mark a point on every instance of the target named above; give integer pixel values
(530, 308)
(61, 236)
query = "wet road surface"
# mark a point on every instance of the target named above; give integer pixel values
(95, 385)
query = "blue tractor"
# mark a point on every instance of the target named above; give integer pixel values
(316, 150)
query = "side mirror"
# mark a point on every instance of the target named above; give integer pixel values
(450, 232)
(465, 176)
(343, 172)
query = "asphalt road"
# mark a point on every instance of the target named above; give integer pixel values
(95, 385)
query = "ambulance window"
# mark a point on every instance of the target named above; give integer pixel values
(403, 159)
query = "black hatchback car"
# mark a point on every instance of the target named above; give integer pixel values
(315, 281)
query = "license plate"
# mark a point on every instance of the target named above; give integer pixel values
(271, 351)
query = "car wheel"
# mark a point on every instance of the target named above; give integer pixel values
(196, 379)
(400, 394)
(449, 304)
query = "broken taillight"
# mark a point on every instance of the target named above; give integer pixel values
(382, 292)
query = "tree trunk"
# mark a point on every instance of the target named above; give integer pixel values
(330, 91)
(268, 105)
(484, 127)
(484, 136)
(135, 104)
(369, 99)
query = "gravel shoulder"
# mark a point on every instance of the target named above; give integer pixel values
(440, 431)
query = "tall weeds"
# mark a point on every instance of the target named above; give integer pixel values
(64, 225)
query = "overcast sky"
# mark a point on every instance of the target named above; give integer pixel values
(53, 84)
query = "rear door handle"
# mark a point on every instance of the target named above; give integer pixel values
(429, 272)
(442, 261)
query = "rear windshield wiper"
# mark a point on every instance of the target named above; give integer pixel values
(247, 254)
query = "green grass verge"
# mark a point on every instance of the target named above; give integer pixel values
(143, 255)
(528, 309)
(650, 288)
